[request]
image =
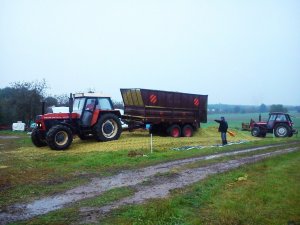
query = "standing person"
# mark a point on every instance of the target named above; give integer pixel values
(223, 129)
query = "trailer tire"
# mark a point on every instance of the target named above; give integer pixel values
(187, 131)
(282, 130)
(37, 139)
(174, 131)
(255, 132)
(59, 137)
(108, 128)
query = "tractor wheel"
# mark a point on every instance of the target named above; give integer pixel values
(108, 128)
(37, 139)
(174, 131)
(282, 130)
(187, 131)
(59, 137)
(255, 132)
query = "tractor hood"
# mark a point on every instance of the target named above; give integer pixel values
(261, 123)
(58, 116)
(52, 116)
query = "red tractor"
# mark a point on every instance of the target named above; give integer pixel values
(278, 122)
(90, 115)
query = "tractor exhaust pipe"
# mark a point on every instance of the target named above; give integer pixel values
(43, 107)
(71, 103)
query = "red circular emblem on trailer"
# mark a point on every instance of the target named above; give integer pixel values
(153, 99)
(196, 102)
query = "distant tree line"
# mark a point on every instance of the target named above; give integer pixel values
(22, 101)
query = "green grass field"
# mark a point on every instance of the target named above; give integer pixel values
(28, 172)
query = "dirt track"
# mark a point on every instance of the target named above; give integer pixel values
(156, 188)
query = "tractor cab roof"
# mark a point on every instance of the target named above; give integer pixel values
(278, 113)
(95, 95)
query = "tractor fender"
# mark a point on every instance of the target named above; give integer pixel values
(73, 129)
(99, 113)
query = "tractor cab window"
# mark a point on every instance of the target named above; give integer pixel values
(271, 121)
(104, 104)
(281, 118)
(78, 105)
(90, 104)
(272, 118)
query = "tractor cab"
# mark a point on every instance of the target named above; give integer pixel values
(88, 106)
(90, 115)
(275, 118)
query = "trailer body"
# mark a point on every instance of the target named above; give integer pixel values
(179, 114)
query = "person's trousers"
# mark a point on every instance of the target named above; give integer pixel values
(223, 137)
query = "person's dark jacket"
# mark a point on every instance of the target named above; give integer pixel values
(223, 126)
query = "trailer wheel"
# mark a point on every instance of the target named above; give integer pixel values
(255, 132)
(174, 131)
(108, 128)
(187, 131)
(37, 139)
(59, 137)
(282, 130)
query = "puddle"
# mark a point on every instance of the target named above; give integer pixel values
(9, 137)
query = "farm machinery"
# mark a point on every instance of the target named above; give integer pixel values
(93, 116)
(278, 123)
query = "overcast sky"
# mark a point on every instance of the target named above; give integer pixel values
(236, 52)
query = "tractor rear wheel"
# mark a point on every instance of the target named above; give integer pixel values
(282, 130)
(59, 137)
(108, 128)
(174, 131)
(187, 131)
(37, 139)
(255, 132)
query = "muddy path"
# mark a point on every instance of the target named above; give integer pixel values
(135, 178)
(160, 188)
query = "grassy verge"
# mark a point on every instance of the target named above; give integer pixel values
(263, 193)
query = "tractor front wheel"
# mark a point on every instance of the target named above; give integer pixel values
(255, 132)
(59, 137)
(37, 138)
(282, 130)
(108, 128)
